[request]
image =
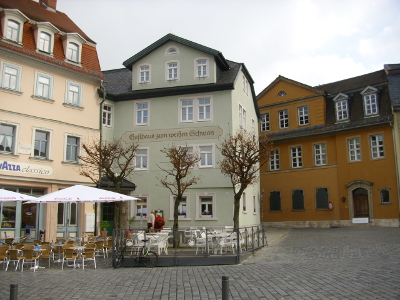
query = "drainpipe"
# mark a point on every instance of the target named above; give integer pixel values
(103, 89)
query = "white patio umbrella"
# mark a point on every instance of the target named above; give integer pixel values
(81, 193)
(13, 196)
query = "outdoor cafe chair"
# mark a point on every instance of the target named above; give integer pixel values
(69, 255)
(89, 255)
(46, 253)
(19, 246)
(29, 258)
(14, 256)
(28, 246)
(108, 246)
(3, 254)
(100, 248)
(37, 242)
(228, 242)
(58, 250)
(9, 241)
(60, 240)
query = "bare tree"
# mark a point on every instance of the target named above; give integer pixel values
(111, 159)
(178, 177)
(244, 153)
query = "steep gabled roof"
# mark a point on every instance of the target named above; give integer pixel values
(119, 85)
(219, 58)
(354, 83)
(38, 13)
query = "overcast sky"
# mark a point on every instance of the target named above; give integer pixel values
(310, 41)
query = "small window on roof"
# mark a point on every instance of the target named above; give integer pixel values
(282, 93)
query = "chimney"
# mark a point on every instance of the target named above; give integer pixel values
(49, 4)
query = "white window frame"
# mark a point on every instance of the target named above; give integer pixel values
(354, 149)
(40, 75)
(303, 115)
(78, 148)
(172, 203)
(169, 67)
(138, 110)
(245, 85)
(199, 197)
(142, 204)
(253, 126)
(370, 101)
(68, 100)
(14, 137)
(204, 106)
(48, 145)
(14, 29)
(208, 155)
(265, 125)
(107, 118)
(296, 157)
(342, 110)
(242, 116)
(320, 154)
(201, 67)
(172, 50)
(16, 87)
(46, 28)
(254, 205)
(78, 40)
(144, 74)
(274, 162)
(191, 111)
(283, 117)
(377, 146)
(141, 156)
(10, 14)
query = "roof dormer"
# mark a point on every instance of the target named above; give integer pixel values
(12, 24)
(44, 37)
(72, 43)
(342, 107)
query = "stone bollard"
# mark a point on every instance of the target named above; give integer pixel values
(225, 287)
(13, 291)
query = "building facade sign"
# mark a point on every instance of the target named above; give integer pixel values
(24, 148)
(174, 134)
(24, 168)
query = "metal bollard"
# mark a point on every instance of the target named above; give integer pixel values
(225, 287)
(13, 291)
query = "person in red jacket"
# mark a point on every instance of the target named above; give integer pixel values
(159, 222)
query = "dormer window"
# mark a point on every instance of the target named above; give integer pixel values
(370, 97)
(172, 51)
(73, 52)
(72, 43)
(12, 22)
(341, 107)
(13, 30)
(44, 36)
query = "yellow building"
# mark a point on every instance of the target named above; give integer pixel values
(333, 162)
(49, 106)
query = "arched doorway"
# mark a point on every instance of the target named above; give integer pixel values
(360, 203)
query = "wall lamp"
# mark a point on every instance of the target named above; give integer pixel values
(343, 199)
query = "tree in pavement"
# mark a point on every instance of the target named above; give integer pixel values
(112, 159)
(178, 177)
(244, 153)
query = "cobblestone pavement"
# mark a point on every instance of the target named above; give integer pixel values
(336, 263)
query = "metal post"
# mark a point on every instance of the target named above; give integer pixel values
(13, 291)
(225, 287)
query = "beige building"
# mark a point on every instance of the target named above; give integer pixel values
(49, 106)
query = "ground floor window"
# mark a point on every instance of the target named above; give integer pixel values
(141, 207)
(297, 200)
(322, 198)
(275, 201)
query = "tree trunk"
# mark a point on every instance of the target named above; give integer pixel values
(236, 210)
(176, 225)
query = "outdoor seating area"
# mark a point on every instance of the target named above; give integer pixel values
(64, 253)
(194, 242)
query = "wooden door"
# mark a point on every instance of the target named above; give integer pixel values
(360, 201)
